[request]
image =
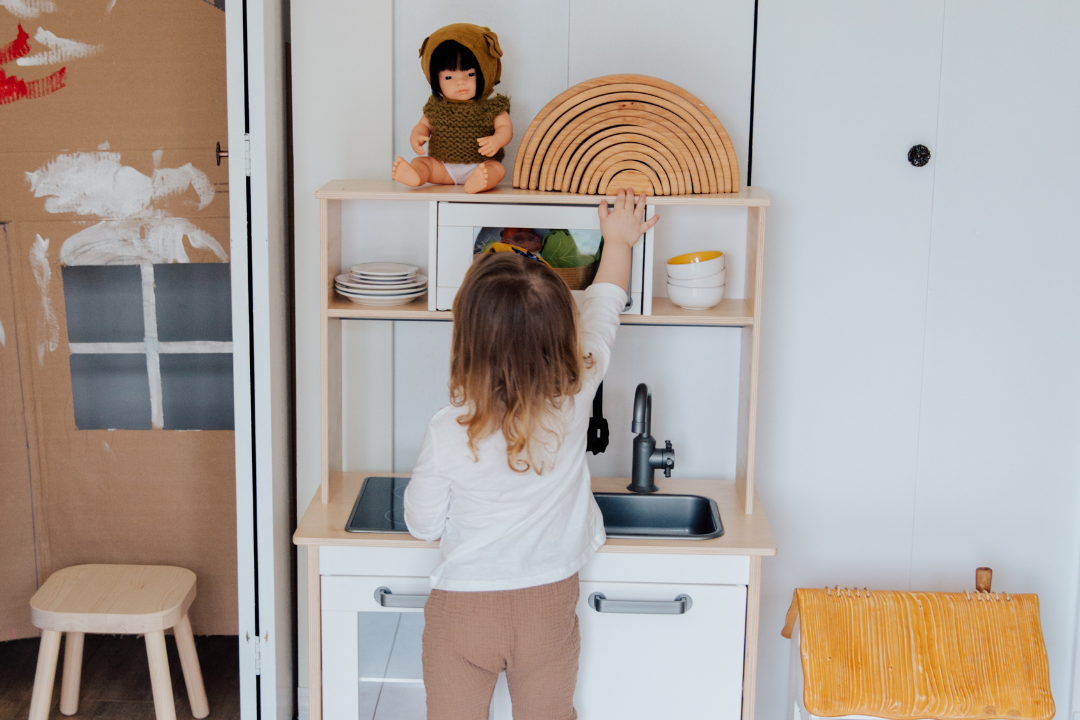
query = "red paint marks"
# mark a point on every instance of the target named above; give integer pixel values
(16, 48)
(15, 88)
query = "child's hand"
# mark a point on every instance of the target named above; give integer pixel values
(621, 228)
(488, 145)
(418, 143)
(623, 224)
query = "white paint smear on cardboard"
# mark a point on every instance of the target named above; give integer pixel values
(48, 327)
(3, 337)
(60, 50)
(27, 9)
(133, 242)
(95, 183)
(133, 230)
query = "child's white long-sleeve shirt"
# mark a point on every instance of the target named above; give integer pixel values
(503, 530)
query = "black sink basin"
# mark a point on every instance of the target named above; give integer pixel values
(684, 517)
(380, 508)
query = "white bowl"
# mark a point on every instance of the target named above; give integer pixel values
(695, 298)
(712, 281)
(695, 265)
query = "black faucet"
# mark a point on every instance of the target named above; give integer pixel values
(647, 459)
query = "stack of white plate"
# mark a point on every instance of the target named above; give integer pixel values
(381, 284)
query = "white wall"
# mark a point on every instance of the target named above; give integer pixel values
(919, 396)
(998, 453)
(342, 128)
(919, 403)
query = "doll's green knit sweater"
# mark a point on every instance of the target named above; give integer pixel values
(456, 126)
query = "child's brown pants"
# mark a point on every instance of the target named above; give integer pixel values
(531, 634)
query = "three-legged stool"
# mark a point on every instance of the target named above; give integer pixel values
(117, 600)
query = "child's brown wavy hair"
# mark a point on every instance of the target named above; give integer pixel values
(516, 358)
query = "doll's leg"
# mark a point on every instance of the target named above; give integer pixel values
(421, 170)
(485, 177)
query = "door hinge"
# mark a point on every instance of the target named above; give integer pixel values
(247, 154)
(258, 657)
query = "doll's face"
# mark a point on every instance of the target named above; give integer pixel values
(458, 84)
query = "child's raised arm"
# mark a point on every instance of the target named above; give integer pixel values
(622, 227)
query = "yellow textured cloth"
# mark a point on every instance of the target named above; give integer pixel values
(483, 43)
(912, 655)
(456, 126)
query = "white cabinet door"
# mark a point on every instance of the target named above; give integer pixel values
(372, 644)
(639, 664)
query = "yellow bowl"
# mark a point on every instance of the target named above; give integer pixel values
(695, 257)
(695, 265)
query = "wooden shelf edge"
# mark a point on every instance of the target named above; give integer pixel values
(416, 310)
(393, 191)
(729, 313)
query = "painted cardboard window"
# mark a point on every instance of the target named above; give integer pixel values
(151, 346)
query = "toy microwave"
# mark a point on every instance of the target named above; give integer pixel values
(567, 236)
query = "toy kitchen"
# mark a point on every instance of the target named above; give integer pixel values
(669, 606)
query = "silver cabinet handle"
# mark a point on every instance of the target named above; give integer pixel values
(599, 602)
(385, 597)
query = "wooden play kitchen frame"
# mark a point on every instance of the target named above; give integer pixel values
(748, 537)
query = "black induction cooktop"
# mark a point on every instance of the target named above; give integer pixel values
(380, 506)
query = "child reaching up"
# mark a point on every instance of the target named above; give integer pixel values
(502, 479)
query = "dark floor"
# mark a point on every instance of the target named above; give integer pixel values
(116, 679)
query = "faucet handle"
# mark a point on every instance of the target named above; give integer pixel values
(669, 458)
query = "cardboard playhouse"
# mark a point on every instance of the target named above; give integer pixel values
(113, 207)
(917, 655)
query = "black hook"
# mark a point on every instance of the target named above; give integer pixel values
(597, 435)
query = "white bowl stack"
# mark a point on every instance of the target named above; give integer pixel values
(381, 284)
(697, 284)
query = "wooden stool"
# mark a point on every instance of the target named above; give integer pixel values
(118, 600)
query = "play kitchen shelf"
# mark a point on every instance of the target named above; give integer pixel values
(744, 313)
(709, 654)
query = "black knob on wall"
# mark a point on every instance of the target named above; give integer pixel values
(918, 155)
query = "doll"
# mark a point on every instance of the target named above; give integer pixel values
(467, 129)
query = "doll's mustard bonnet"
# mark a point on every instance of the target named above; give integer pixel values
(483, 43)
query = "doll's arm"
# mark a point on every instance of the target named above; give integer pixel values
(504, 133)
(420, 135)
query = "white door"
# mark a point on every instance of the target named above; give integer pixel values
(660, 651)
(844, 89)
(260, 283)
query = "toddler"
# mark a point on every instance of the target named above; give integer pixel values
(502, 479)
